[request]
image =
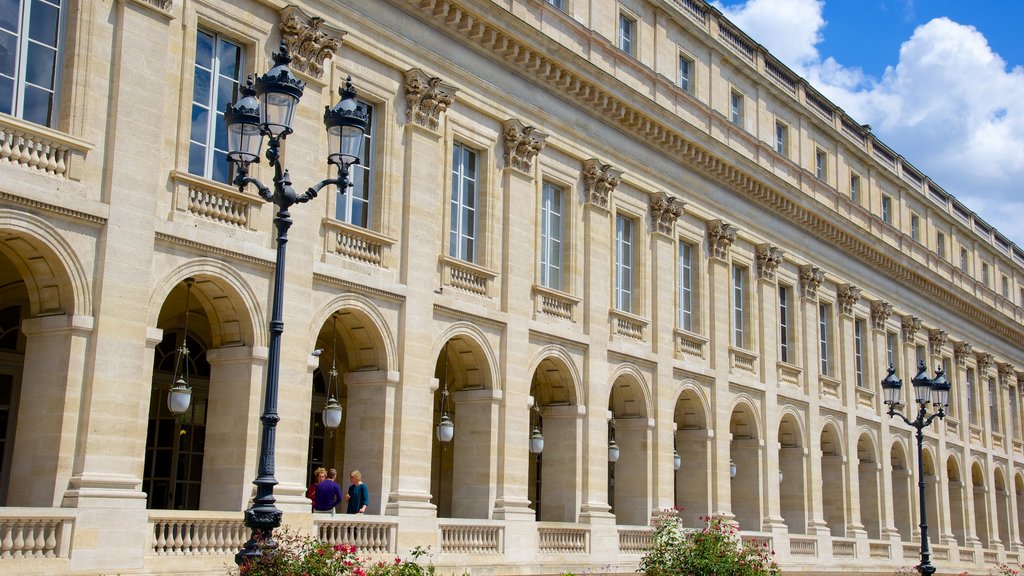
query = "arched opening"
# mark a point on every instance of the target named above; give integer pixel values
(792, 470)
(931, 495)
(902, 492)
(554, 474)
(957, 500)
(832, 475)
(867, 478)
(629, 477)
(1018, 488)
(1002, 508)
(467, 465)
(351, 369)
(14, 307)
(980, 494)
(692, 480)
(745, 453)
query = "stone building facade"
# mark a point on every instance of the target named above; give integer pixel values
(606, 220)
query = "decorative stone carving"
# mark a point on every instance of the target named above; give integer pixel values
(985, 361)
(881, 311)
(936, 340)
(426, 98)
(847, 297)
(811, 278)
(665, 210)
(1006, 372)
(599, 181)
(522, 143)
(911, 324)
(720, 238)
(163, 5)
(768, 260)
(309, 40)
(961, 350)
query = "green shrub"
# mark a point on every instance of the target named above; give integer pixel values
(298, 555)
(715, 550)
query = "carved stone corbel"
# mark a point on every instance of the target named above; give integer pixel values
(599, 181)
(936, 340)
(910, 326)
(881, 311)
(985, 361)
(769, 258)
(310, 41)
(522, 144)
(426, 98)
(665, 210)
(1006, 372)
(847, 297)
(720, 238)
(811, 278)
(961, 350)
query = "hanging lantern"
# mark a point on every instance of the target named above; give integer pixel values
(445, 427)
(332, 411)
(677, 460)
(180, 395)
(536, 438)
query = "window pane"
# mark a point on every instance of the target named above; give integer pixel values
(43, 23)
(8, 53)
(37, 106)
(204, 50)
(6, 95)
(202, 85)
(230, 57)
(200, 122)
(221, 168)
(40, 64)
(9, 10)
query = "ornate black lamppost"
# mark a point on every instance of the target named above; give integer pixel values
(266, 109)
(926, 390)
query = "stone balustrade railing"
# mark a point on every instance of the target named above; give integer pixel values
(213, 201)
(368, 534)
(803, 546)
(471, 537)
(35, 532)
(38, 147)
(196, 533)
(467, 276)
(844, 548)
(558, 538)
(555, 303)
(356, 243)
(628, 325)
(689, 344)
(635, 540)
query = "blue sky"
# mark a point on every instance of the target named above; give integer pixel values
(939, 81)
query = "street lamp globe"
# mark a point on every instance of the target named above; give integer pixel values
(279, 91)
(346, 125)
(891, 385)
(922, 384)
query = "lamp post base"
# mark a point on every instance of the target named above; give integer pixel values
(262, 523)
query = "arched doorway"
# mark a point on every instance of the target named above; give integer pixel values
(554, 474)
(745, 453)
(693, 442)
(957, 501)
(14, 307)
(629, 477)
(792, 466)
(867, 476)
(833, 475)
(902, 493)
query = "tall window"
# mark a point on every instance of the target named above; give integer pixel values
(354, 205)
(781, 137)
(915, 228)
(551, 227)
(627, 34)
(887, 209)
(686, 286)
(940, 244)
(947, 369)
(890, 348)
(858, 351)
(686, 73)
(993, 404)
(855, 188)
(963, 260)
(557, 4)
(739, 298)
(825, 337)
(30, 53)
(984, 273)
(920, 356)
(970, 395)
(1006, 286)
(820, 164)
(623, 263)
(1013, 413)
(736, 108)
(217, 71)
(785, 322)
(462, 229)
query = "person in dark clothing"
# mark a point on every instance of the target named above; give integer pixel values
(327, 495)
(358, 495)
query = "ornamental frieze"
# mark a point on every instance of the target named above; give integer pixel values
(522, 144)
(769, 258)
(936, 340)
(910, 326)
(426, 98)
(961, 350)
(309, 40)
(811, 278)
(665, 210)
(847, 297)
(720, 238)
(881, 311)
(599, 181)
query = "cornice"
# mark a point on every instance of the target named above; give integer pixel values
(357, 287)
(208, 249)
(53, 209)
(621, 111)
(464, 315)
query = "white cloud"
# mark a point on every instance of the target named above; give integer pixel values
(951, 106)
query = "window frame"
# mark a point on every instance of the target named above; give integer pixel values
(855, 187)
(858, 352)
(214, 111)
(625, 264)
(965, 261)
(887, 209)
(825, 338)
(782, 137)
(736, 105)
(686, 291)
(627, 42)
(940, 244)
(820, 164)
(971, 395)
(740, 307)
(546, 240)
(24, 41)
(456, 226)
(915, 227)
(785, 297)
(343, 203)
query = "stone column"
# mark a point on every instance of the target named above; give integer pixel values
(369, 431)
(768, 260)
(811, 279)
(562, 463)
(232, 426)
(633, 477)
(475, 457)
(720, 238)
(48, 417)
